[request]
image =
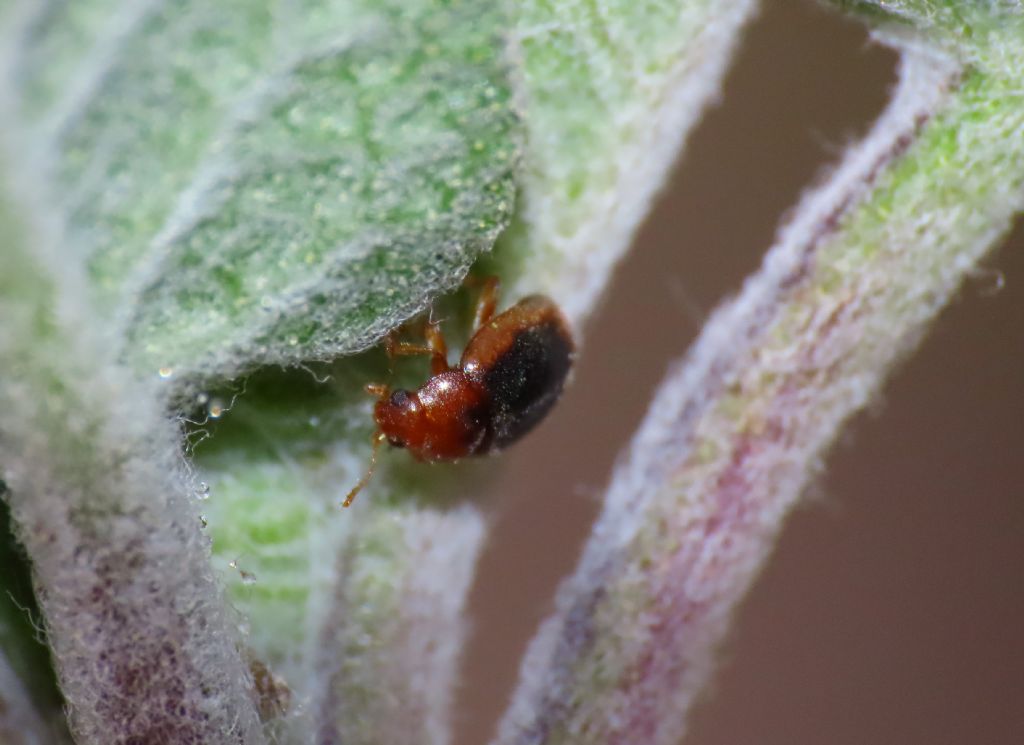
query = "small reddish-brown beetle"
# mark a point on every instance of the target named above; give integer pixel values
(510, 375)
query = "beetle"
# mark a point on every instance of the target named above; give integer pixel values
(510, 375)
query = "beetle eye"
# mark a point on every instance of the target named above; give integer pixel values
(399, 398)
(397, 442)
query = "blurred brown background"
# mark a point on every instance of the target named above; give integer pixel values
(893, 608)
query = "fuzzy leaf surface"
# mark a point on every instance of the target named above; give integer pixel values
(270, 182)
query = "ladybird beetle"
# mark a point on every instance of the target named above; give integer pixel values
(511, 373)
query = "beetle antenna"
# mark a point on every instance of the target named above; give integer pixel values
(377, 440)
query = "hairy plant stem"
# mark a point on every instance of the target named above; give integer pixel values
(739, 428)
(397, 626)
(143, 647)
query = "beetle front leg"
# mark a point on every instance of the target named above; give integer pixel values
(487, 303)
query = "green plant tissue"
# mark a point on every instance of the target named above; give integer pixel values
(264, 182)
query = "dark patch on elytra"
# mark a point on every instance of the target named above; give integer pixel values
(526, 381)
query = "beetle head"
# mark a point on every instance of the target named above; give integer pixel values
(400, 418)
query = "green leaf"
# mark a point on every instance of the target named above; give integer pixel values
(250, 187)
(610, 91)
(978, 31)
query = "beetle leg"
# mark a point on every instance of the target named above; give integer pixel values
(435, 348)
(438, 348)
(487, 303)
(380, 390)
